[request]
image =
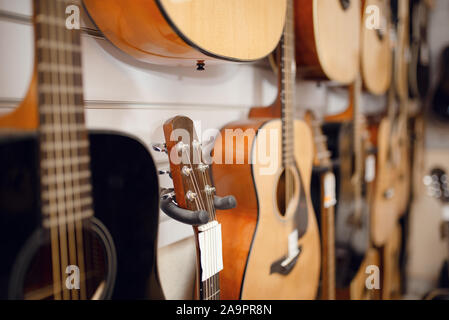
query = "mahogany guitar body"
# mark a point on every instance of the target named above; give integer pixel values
(327, 39)
(184, 32)
(255, 234)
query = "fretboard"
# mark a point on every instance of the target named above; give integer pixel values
(64, 148)
(288, 75)
(211, 288)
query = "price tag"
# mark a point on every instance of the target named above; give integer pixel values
(209, 238)
(370, 168)
(330, 198)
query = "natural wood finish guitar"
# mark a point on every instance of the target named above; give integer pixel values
(185, 32)
(328, 39)
(375, 50)
(258, 260)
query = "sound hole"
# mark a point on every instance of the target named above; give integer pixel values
(286, 189)
(39, 280)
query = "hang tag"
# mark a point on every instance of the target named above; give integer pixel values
(330, 198)
(293, 244)
(445, 213)
(209, 238)
(370, 168)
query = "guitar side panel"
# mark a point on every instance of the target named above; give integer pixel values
(238, 224)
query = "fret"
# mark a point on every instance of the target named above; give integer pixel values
(62, 128)
(54, 222)
(64, 162)
(59, 68)
(53, 21)
(79, 189)
(66, 177)
(61, 206)
(68, 145)
(62, 89)
(214, 295)
(61, 108)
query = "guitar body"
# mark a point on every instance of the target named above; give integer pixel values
(375, 49)
(256, 233)
(391, 288)
(351, 241)
(184, 32)
(327, 39)
(120, 242)
(384, 206)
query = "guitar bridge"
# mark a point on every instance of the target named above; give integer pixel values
(285, 265)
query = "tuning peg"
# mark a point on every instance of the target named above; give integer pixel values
(167, 193)
(163, 172)
(194, 218)
(160, 147)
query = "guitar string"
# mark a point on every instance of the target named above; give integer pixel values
(66, 155)
(74, 37)
(58, 128)
(209, 198)
(40, 9)
(201, 205)
(74, 155)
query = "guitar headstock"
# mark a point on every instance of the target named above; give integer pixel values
(437, 184)
(191, 179)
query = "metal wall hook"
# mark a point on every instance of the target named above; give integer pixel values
(225, 203)
(193, 218)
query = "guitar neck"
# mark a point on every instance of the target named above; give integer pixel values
(63, 140)
(328, 242)
(287, 93)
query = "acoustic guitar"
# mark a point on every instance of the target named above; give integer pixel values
(375, 56)
(328, 39)
(392, 186)
(271, 245)
(193, 190)
(78, 210)
(191, 32)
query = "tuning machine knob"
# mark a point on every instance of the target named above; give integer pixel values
(164, 172)
(160, 147)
